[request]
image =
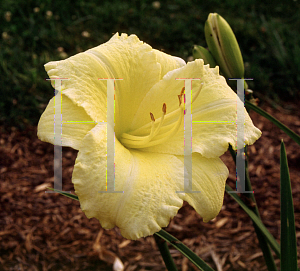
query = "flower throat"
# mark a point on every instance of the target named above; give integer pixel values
(159, 133)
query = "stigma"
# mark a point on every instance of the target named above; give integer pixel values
(159, 133)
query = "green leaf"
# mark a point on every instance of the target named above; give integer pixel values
(273, 243)
(165, 236)
(198, 262)
(66, 194)
(165, 253)
(263, 113)
(288, 242)
(263, 242)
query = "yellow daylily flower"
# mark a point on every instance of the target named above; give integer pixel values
(149, 133)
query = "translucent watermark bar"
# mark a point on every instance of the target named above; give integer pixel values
(110, 166)
(240, 144)
(188, 173)
(57, 163)
(110, 171)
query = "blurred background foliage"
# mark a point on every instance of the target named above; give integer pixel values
(36, 32)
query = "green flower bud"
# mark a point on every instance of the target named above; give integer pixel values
(223, 46)
(203, 53)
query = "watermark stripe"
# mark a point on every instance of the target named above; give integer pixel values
(110, 166)
(240, 139)
(188, 173)
(110, 172)
(57, 163)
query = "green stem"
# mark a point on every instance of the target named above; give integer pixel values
(198, 262)
(165, 253)
(271, 240)
(288, 240)
(261, 238)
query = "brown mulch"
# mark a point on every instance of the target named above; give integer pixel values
(44, 231)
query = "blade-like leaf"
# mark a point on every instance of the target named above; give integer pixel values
(263, 113)
(66, 194)
(202, 265)
(273, 243)
(263, 242)
(165, 253)
(288, 242)
(165, 236)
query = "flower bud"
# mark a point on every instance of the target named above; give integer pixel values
(223, 46)
(203, 53)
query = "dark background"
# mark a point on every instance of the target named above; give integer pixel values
(40, 231)
(36, 32)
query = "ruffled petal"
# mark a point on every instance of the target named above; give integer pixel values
(214, 112)
(167, 91)
(149, 182)
(209, 177)
(216, 118)
(151, 176)
(168, 62)
(122, 57)
(82, 87)
(75, 123)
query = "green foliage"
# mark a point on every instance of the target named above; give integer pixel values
(288, 242)
(267, 33)
(280, 125)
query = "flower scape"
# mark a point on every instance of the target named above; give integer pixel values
(149, 133)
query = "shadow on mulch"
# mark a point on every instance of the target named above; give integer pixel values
(45, 231)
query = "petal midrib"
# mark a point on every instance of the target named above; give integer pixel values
(210, 107)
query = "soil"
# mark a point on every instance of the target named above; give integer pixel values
(47, 231)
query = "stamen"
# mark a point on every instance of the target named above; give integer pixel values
(127, 138)
(137, 141)
(170, 132)
(164, 109)
(180, 100)
(152, 117)
(159, 134)
(136, 138)
(182, 91)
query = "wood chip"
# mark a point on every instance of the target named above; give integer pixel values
(47, 231)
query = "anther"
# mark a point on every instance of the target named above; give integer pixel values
(158, 134)
(152, 117)
(179, 98)
(164, 108)
(182, 91)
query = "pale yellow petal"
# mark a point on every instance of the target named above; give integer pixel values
(75, 123)
(122, 57)
(215, 115)
(82, 86)
(134, 62)
(139, 67)
(167, 91)
(168, 62)
(209, 177)
(214, 112)
(149, 182)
